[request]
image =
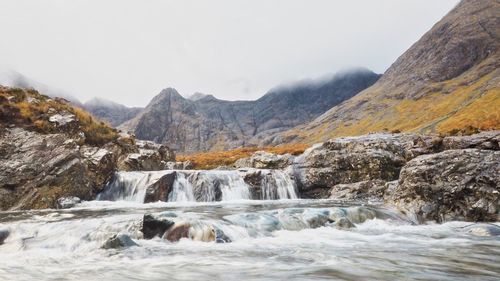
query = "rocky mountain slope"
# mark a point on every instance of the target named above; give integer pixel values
(111, 112)
(448, 80)
(207, 123)
(50, 150)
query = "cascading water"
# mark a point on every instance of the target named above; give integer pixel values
(130, 186)
(276, 184)
(200, 186)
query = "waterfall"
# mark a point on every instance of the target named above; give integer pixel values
(200, 186)
(278, 185)
(130, 186)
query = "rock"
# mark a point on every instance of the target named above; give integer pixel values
(67, 202)
(4, 233)
(265, 160)
(452, 185)
(119, 241)
(482, 229)
(185, 165)
(221, 237)
(62, 120)
(372, 190)
(196, 231)
(483, 140)
(344, 223)
(349, 160)
(160, 190)
(152, 226)
(149, 157)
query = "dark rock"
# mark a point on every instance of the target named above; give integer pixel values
(152, 226)
(160, 190)
(67, 202)
(452, 185)
(4, 233)
(221, 237)
(119, 241)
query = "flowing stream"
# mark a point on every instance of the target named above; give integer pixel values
(283, 239)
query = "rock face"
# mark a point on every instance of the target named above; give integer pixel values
(160, 190)
(370, 190)
(148, 157)
(437, 85)
(455, 184)
(207, 123)
(46, 155)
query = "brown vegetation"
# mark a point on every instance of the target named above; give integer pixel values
(214, 159)
(32, 110)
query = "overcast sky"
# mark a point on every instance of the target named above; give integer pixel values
(128, 50)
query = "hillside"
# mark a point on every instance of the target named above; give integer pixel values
(206, 123)
(447, 81)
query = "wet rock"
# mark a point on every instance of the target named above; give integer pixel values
(160, 190)
(459, 184)
(152, 226)
(221, 237)
(344, 223)
(67, 202)
(372, 190)
(265, 160)
(196, 231)
(119, 241)
(483, 229)
(4, 233)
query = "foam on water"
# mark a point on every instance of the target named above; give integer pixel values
(280, 241)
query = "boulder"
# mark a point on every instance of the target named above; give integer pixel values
(372, 190)
(160, 190)
(349, 160)
(196, 231)
(265, 160)
(67, 202)
(119, 241)
(152, 226)
(483, 140)
(461, 184)
(185, 165)
(4, 233)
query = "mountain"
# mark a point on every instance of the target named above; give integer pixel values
(447, 81)
(110, 111)
(207, 123)
(13, 78)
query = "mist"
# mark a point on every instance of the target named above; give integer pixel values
(127, 51)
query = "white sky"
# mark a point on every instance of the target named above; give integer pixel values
(128, 50)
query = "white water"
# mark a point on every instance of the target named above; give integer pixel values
(200, 186)
(271, 240)
(278, 185)
(130, 186)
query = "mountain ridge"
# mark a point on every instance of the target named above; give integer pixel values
(209, 123)
(446, 81)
